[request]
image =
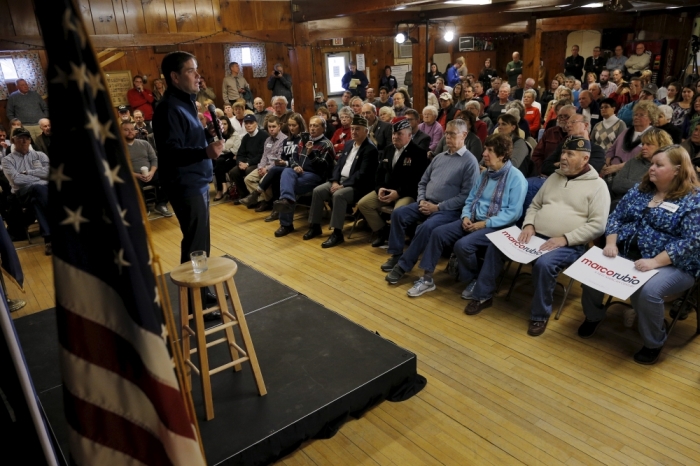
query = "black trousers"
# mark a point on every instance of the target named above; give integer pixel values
(161, 196)
(223, 165)
(238, 176)
(193, 215)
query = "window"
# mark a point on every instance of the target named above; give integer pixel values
(241, 55)
(245, 54)
(8, 69)
(336, 67)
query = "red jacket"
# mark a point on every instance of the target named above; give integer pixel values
(141, 101)
(481, 130)
(549, 142)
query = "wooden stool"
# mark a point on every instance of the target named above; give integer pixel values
(220, 272)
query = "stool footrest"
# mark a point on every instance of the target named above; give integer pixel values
(218, 328)
(228, 365)
(189, 330)
(192, 366)
(206, 311)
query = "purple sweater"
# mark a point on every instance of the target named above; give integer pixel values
(435, 132)
(617, 149)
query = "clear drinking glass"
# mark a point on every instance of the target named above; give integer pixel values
(199, 261)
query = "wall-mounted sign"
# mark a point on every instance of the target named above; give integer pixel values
(118, 83)
(338, 41)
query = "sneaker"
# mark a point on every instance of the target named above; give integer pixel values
(467, 293)
(421, 286)
(475, 306)
(164, 211)
(628, 316)
(395, 275)
(588, 328)
(537, 327)
(389, 265)
(647, 356)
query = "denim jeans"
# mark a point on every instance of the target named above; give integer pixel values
(464, 246)
(545, 271)
(648, 301)
(405, 216)
(293, 183)
(272, 180)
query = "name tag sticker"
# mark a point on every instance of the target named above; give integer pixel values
(37, 164)
(594, 117)
(669, 206)
(269, 145)
(530, 112)
(503, 110)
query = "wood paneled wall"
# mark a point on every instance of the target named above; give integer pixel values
(553, 49)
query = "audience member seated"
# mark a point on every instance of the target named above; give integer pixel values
(638, 62)
(548, 96)
(356, 105)
(447, 112)
(617, 61)
(664, 123)
(605, 132)
(308, 168)
(400, 103)
(479, 92)
(576, 126)
(606, 87)
(28, 171)
(249, 155)
(673, 92)
(421, 139)
(626, 112)
(634, 170)
(386, 114)
(693, 116)
(681, 107)
(590, 78)
(272, 153)
(125, 114)
(441, 88)
(471, 142)
(518, 111)
(326, 115)
(508, 126)
(345, 99)
(260, 112)
(627, 145)
(552, 138)
(352, 179)
(596, 93)
(656, 225)
(384, 100)
(635, 88)
(458, 96)
(589, 107)
(379, 131)
(532, 113)
(334, 122)
(28, 106)
(143, 155)
(498, 104)
(342, 134)
(480, 127)
(431, 127)
(495, 202)
(692, 146)
(43, 141)
(442, 191)
(371, 97)
(568, 211)
(563, 94)
(492, 91)
(396, 183)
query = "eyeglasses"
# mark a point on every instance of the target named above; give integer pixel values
(451, 134)
(573, 122)
(563, 117)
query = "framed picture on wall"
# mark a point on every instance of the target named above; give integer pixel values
(466, 44)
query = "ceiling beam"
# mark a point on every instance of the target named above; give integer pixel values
(314, 10)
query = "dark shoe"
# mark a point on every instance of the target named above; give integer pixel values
(48, 250)
(283, 231)
(218, 198)
(537, 327)
(283, 206)
(335, 239)
(395, 275)
(689, 305)
(313, 232)
(475, 306)
(382, 236)
(251, 200)
(212, 316)
(263, 206)
(163, 210)
(588, 328)
(272, 217)
(237, 202)
(209, 299)
(647, 356)
(389, 265)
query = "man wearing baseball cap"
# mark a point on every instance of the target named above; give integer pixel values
(570, 209)
(648, 92)
(447, 111)
(352, 178)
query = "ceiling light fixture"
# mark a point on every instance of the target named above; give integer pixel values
(593, 5)
(400, 38)
(398, 8)
(449, 35)
(469, 2)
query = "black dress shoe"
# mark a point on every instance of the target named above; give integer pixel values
(334, 240)
(212, 316)
(313, 232)
(283, 231)
(382, 236)
(236, 202)
(283, 206)
(263, 206)
(272, 217)
(647, 356)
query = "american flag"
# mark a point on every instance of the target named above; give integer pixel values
(122, 399)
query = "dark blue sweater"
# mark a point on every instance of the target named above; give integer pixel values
(183, 166)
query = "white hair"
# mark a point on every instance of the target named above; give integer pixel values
(666, 111)
(531, 92)
(279, 97)
(431, 109)
(345, 111)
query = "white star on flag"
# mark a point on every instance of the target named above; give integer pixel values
(79, 75)
(61, 77)
(100, 131)
(157, 300)
(122, 214)
(74, 218)
(69, 25)
(112, 174)
(58, 177)
(120, 261)
(95, 81)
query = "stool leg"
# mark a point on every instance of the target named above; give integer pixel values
(230, 337)
(184, 335)
(203, 354)
(238, 310)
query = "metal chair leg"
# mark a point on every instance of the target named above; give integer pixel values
(563, 300)
(515, 279)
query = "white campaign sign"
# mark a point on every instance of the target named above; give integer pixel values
(507, 241)
(614, 276)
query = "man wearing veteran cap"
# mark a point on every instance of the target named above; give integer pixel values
(442, 191)
(352, 178)
(400, 170)
(570, 209)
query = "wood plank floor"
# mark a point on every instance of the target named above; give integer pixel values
(494, 394)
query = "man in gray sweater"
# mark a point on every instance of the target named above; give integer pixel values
(28, 107)
(441, 194)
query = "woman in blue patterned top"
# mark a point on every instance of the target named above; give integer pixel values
(657, 225)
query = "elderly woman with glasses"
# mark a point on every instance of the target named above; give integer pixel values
(656, 225)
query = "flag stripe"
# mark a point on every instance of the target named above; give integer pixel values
(85, 452)
(87, 296)
(101, 347)
(113, 393)
(100, 426)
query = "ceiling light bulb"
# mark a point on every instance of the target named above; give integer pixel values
(449, 35)
(400, 38)
(593, 5)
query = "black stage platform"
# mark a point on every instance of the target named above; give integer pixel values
(319, 369)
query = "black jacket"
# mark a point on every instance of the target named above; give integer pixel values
(574, 66)
(595, 65)
(382, 134)
(422, 140)
(281, 85)
(597, 159)
(670, 128)
(252, 148)
(42, 143)
(362, 171)
(406, 174)
(595, 113)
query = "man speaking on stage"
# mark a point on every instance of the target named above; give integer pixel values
(184, 155)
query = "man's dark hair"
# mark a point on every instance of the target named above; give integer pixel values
(609, 101)
(174, 61)
(413, 113)
(230, 65)
(469, 118)
(501, 145)
(2, 128)
(139, 77)
(274, 119)
(127, 122)
(384, 88)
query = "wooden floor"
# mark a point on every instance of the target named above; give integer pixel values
(494, 394)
